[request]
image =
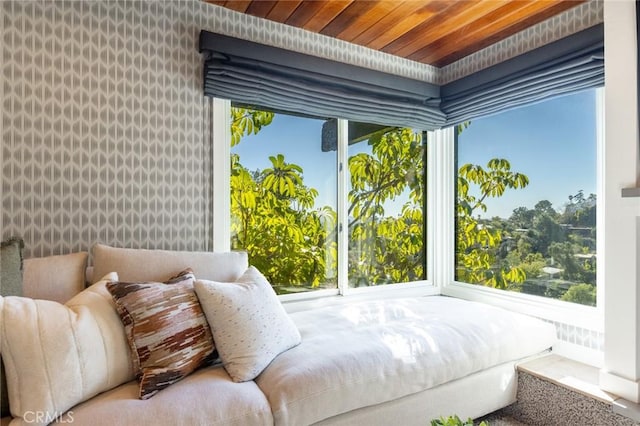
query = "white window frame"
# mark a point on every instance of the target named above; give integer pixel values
(440, 237)
(221, 151)
(587, 317)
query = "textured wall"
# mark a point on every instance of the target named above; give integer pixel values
(104, 129)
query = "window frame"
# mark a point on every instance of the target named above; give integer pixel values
(439, 237)
(221, 221)
(587, 317)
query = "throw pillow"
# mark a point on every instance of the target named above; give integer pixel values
(168, 334)
(11, 267)
(10, 285)
(60, 355)
(248, 322)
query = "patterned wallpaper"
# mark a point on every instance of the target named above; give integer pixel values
(106, 134)
(104, 126)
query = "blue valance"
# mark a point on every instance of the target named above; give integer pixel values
(568, 65)
(257, 75)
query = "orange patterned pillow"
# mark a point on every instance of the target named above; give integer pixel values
(168, 334)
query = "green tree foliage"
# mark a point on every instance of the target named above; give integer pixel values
(272, 217)
(455, 421)
(585, 294)
(580, 211)
(294, 242)
(248, 121)
(478, 243)
(386, 249)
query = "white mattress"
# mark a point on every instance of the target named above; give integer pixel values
(368, 353)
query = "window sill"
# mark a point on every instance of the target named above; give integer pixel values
(587, 317)
(312, 300)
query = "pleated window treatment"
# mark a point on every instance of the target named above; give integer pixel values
(257, 75)
(566, 66)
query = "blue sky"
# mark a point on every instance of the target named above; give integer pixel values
(553, 143)
(299, 139)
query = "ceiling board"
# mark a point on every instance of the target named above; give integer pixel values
(359, 16)
(435, 32)
(326, 14)
(487, 30)
(282, 10)
(260, 8)
(237, 5)
(422, 35)
(404, 18)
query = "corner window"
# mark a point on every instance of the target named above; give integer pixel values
(284, 181)
(526, 200)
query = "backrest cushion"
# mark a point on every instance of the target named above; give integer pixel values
(156, 265)
(56, 278)
(60, 355)
(10, 285)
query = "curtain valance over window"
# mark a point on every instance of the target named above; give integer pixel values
(258, 75)
(565, 66)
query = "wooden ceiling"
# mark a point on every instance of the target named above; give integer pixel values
(435, 32)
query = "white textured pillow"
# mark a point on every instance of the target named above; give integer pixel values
(249, 325)
(60, 355)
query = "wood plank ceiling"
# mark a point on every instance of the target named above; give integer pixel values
(435, 32)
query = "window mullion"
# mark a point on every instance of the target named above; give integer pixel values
(443, 196)
(343, 219)
(221, 174)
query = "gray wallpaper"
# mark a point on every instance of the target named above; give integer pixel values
(103, 137)
(106, 136)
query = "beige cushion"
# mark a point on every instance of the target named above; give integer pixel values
(59, 355)
(366, 353)
(156, 265)
(167, 332)
(206, 397)
(249, 324)
(56, 278)
(10, 285)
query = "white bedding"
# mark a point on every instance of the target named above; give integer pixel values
(368, 353)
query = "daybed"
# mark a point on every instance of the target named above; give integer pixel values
(383, 362)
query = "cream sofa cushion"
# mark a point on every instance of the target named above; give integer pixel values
(60, 355)
(366, 353)
(206, 397)
(56, 278)
(156, 265)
